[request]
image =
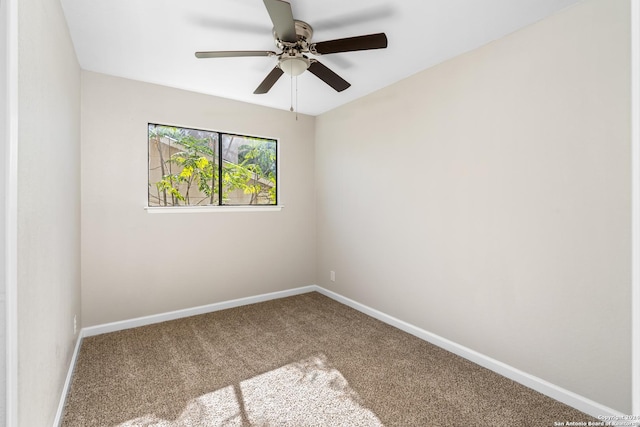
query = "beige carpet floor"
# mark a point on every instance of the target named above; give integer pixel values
(299, 361)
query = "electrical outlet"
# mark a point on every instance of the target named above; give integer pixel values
(332, 275)
(75, 324)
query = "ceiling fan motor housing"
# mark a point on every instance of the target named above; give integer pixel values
(291, 60)
(304, 32)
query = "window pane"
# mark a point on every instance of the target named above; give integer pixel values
(248, 170)
(182, 167)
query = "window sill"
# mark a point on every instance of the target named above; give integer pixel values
(202, 209)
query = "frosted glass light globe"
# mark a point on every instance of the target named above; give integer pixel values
(294, 65)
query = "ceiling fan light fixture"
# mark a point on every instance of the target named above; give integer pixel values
(294, 65)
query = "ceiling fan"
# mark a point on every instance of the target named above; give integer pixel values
(293, 38)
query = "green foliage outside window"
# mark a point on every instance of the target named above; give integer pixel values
(185, 168)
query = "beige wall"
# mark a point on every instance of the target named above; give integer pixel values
(135, 263)
(48, 207)
(487, 200)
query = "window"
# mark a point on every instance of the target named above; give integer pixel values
(185, 168)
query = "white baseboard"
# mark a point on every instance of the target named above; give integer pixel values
(567, 397)
(67, 382)
(194, 311)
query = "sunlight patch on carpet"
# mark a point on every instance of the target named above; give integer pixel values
(306, 393)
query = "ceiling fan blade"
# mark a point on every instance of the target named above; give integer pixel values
(233, 53)
(269, 81)
(282, 18)
(350, 44)
(328, 76)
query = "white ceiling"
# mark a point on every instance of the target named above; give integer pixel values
(155, 40)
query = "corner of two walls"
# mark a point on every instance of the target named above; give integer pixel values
(487, 200)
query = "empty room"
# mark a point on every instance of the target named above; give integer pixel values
(299, 213)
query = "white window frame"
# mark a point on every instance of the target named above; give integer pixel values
(217, 208)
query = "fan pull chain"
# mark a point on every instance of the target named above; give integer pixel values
(296, 97)
(291, 91)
